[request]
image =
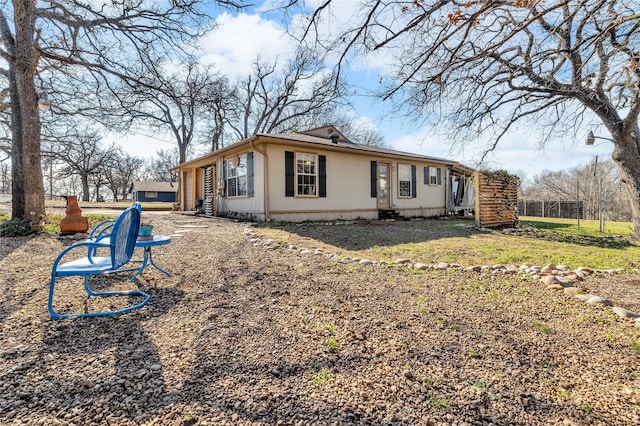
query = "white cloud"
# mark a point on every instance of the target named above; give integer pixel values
(366, 122)
(233, 46)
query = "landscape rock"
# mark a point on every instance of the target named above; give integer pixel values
(624, 313)
(548, 268)
(584, 296)
(555, 287)
(599, 300)
(550, 280)
(571, 291)
(573, 277)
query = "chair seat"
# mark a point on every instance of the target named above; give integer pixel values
(98, 265)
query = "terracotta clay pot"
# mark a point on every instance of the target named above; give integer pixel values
(74, 221)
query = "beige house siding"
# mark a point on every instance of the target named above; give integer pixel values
(430, 199)
(250, 206)
(347, 187)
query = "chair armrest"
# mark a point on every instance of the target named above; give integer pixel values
(101, 228)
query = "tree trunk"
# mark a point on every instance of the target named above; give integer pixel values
(17, 167)
(626, 154)
(215, 144)
(28, 184)
(85, 187)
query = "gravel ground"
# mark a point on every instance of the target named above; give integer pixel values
(244, 334)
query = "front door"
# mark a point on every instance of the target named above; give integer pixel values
(383, 186)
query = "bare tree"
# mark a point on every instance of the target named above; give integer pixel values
(218, 98)
(70, 185)
(483, 67)
(173, 102)
(120, 173)
(50, 166)
(157, 168)
(5, 177)
(81, 153)
(358, 131)
(598, 182)
(5, 120)
(270, 100)
(117, 39)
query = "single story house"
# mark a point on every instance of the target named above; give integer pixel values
(154, 191)
(316, 175)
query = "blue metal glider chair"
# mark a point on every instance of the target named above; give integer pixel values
(121, 243)
(102, 230)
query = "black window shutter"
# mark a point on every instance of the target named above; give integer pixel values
(414, 182)
(426, 175)
(250, 174)
(288, 174)
(439, 176)
(374, 179)
(224, 176)
(323, 176)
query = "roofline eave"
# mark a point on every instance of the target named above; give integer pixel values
(203, 160)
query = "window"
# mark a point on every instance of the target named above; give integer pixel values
(236, 176)
(404, 180)
(432, 176)
(307, 175)
(151, 194)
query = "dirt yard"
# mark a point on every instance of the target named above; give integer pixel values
(245, 334)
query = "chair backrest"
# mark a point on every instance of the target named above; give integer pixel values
(137, 206)
(123, 237)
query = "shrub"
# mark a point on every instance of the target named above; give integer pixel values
(16, 228)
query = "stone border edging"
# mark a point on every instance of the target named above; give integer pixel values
(556, 277)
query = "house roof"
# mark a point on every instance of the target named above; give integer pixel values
(154, 186)
(326, 132)
(310, 137)
(341, 143)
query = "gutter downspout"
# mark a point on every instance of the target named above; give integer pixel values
(447, 196)
(183, 191)
(265, 189)
(194, 188)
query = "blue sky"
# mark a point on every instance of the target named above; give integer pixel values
(239, 37)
